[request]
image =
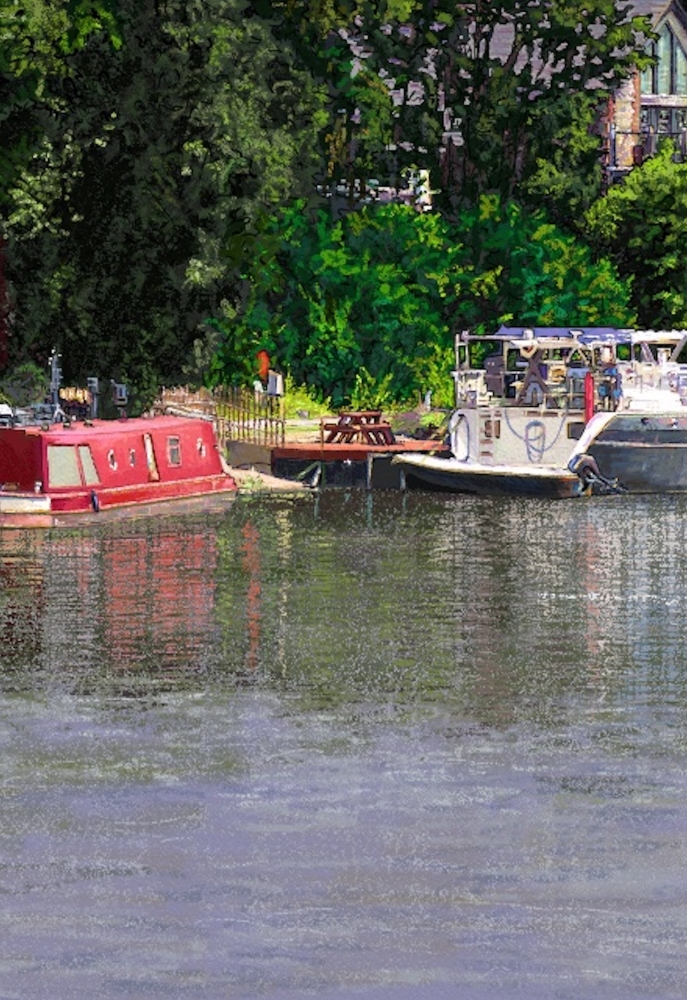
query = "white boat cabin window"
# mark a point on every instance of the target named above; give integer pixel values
(90, 473)
(132, 457)
(63, 465)
(112, 459)
(174, 451)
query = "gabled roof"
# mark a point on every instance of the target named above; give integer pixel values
(502, 38)
(655, 9)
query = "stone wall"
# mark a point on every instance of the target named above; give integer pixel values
(626, 121)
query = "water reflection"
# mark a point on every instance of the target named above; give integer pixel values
(127, 600)
(347, 745)
(500, 608)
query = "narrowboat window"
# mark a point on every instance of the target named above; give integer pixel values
(63, 467)
(153, 472)
(132, 457)
(201, 447)
(112, 459)
(90, 473)
(174, 450)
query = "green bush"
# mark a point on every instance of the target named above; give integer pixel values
(366, 307)
(641, 225)
(370, 394)
(299, 399)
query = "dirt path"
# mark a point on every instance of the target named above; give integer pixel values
(253, 481)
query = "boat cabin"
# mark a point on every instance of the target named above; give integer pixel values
(579, 369)
(82, 466)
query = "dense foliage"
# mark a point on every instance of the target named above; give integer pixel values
(154, 157)
(502, 96)
(380, 293)
(642, 225)
(170, 168)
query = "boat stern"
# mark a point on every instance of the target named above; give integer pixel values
(24, 510)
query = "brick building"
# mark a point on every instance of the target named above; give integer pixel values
(651, 104)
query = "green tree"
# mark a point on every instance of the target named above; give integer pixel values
(37, 38)
(163, 154)
(356, 141)
(641, 225)
(379, 294)
(523, 269)
(501, 96)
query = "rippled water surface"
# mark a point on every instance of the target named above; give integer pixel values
(347, 746)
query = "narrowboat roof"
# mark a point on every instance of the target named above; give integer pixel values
(111, 428)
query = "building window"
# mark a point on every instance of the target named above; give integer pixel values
(174, 450)
(668, 75)
(655, 122)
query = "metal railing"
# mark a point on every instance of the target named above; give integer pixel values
(629, 149)
(248, 415)
(239, 414)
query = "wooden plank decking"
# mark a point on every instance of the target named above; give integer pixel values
(353, 451)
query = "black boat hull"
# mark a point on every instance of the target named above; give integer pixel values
(645, 453)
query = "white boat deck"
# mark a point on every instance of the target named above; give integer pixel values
(454, 465)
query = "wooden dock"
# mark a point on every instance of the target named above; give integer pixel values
(354, 449)
(349, 464)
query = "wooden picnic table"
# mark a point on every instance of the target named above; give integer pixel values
(361, 416)
(356, 426)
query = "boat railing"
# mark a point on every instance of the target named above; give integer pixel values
(471, 387)
(556, 387)
(640, 380)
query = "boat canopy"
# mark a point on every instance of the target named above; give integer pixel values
(590, 336)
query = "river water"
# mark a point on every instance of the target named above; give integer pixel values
(347, 746)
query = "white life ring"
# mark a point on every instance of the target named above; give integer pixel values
(459, 436)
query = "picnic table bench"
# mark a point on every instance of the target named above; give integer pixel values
(356, 426)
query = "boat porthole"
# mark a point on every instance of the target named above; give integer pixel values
(201, 447)
(112, 461)
(132, 457)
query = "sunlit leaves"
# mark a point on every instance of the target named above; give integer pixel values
(386, 288)
(642, 225)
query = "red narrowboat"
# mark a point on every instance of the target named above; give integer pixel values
(50, 473)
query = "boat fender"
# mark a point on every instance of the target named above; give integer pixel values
(95, 503)
(313, 480)
(458, 436)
